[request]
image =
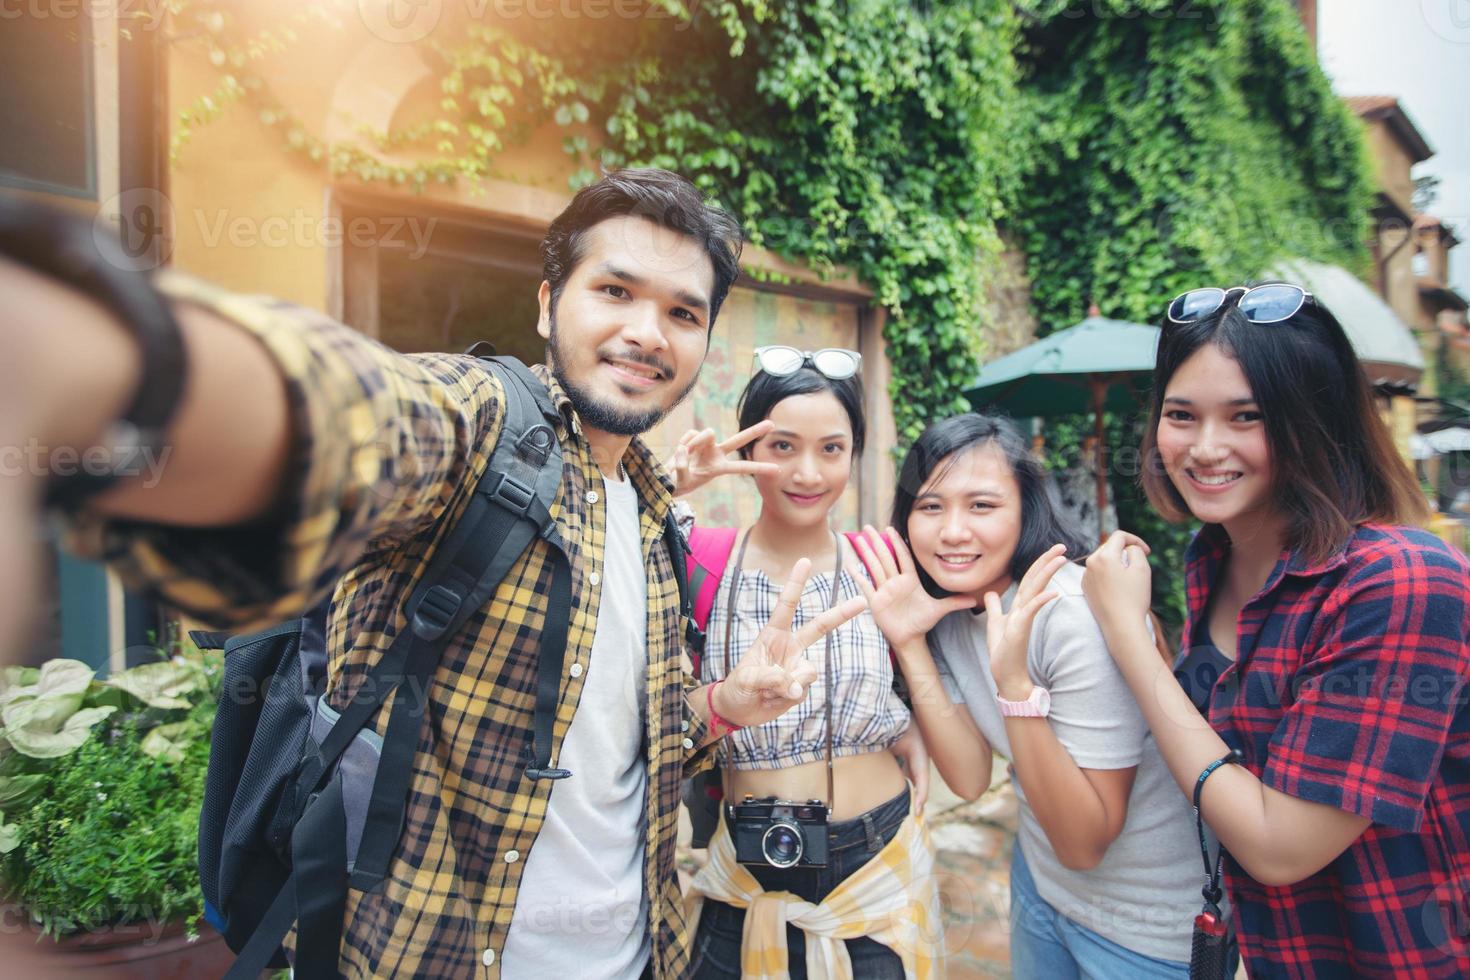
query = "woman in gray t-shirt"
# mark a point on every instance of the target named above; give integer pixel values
(989, 614)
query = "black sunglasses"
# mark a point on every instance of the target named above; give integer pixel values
(1268, 303)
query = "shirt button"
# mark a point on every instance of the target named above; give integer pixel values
(575, 670)
(512, 856)
(689, 743)
(684, 725)
(595, 579)
(488, 957)
(592, 496)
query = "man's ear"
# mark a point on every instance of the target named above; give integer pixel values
(543, 319)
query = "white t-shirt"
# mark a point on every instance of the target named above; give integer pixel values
(582, 911)
(1145, 892)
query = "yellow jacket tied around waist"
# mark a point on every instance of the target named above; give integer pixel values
(893, 899)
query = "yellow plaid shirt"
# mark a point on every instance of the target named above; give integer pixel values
(385, 446)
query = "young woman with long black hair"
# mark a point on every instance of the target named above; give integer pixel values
(1003, 656)
(1333, 633)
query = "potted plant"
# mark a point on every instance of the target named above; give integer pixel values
(100, 787)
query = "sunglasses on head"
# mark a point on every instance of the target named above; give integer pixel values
(1268, 303)
(831, 362)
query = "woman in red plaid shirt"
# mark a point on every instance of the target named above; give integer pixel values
(1331, 632)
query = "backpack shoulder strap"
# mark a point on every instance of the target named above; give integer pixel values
(678, 550)
(710, 548)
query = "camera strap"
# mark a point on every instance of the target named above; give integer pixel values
(730, 602)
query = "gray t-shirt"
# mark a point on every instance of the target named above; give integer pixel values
(1145, 892)
(582, 910)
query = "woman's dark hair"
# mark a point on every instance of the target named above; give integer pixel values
(765, 391)
(1041, 521)
(666, 199)
(1334, 465)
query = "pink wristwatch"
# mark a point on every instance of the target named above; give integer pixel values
(1038, 705)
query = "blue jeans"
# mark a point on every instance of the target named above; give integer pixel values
(1046, 945)
(851, 844)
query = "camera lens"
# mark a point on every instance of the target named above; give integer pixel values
(781, 846)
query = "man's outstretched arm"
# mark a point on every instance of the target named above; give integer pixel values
(73, 369)
(299, 447)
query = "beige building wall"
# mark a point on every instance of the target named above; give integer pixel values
(1391, 166)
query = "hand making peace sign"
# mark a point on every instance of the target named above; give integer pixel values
(699, 458)
(774, 674)
(1008, 633)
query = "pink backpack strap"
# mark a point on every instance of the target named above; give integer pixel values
(710, 548)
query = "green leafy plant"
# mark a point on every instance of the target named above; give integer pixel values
(1176, 146)
(872, 135)
(100, 787)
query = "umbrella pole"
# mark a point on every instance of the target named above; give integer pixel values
(1099, 394)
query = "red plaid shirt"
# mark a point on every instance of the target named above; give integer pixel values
(1351, 689)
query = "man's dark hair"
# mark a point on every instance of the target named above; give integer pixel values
(666, 199)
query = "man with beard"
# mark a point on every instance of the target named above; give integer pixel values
(304, 455)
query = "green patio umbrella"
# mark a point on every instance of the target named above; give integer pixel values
(1098, 365)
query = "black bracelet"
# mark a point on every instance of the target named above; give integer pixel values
(69, 249)
(1232, 757)
(1212, 890)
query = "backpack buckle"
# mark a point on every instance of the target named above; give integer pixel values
(435, 612)
(512, 494)
(535, 444)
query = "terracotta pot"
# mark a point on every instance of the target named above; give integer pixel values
(135, 951)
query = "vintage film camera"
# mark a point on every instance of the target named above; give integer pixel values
(780, 833)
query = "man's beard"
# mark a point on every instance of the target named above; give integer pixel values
(600, 415)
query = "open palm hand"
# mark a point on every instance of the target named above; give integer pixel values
(901, 606)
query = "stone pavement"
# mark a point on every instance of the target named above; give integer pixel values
(973, 843)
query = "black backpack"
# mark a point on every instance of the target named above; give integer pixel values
(300, 801)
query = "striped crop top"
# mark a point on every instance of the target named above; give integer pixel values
(867, 715)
